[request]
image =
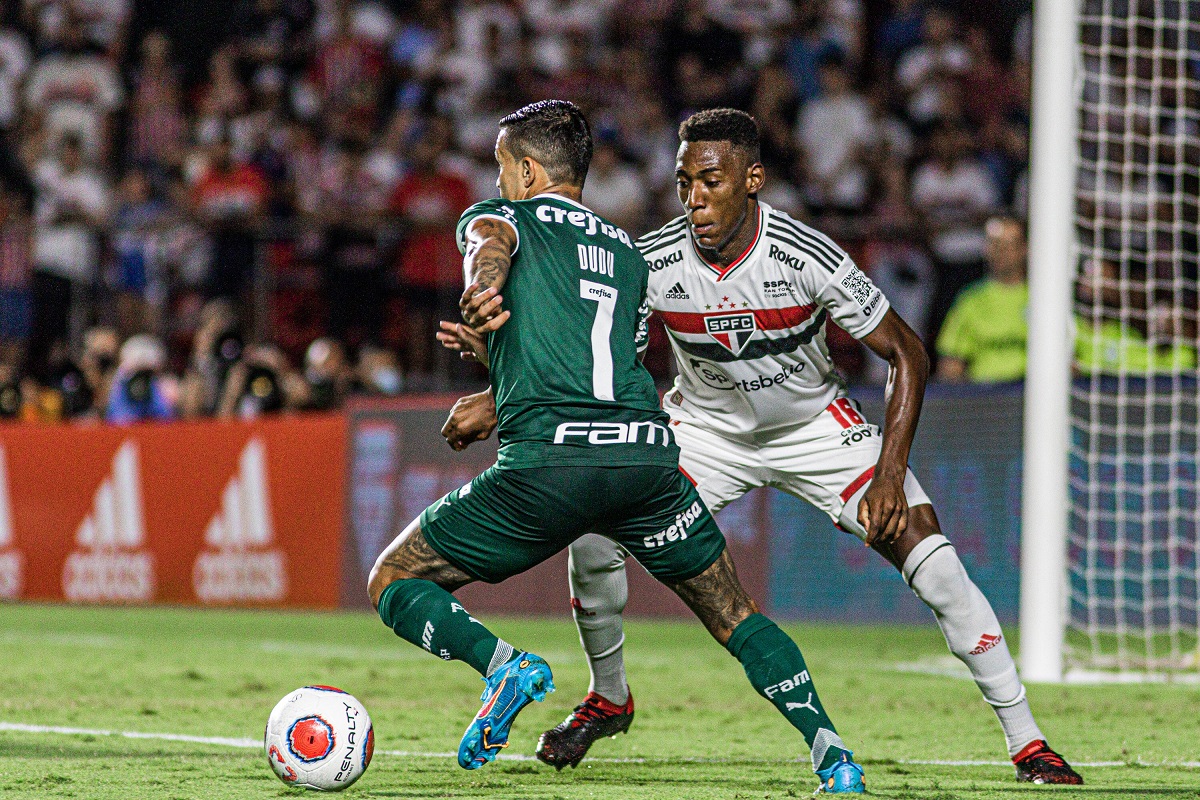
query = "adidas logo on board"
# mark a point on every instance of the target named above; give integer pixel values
(240, 563)
(109, 564)
(11, 561)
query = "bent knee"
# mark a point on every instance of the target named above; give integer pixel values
(593, 553)
(382, 576)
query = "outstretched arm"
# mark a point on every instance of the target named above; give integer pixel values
(883, 511)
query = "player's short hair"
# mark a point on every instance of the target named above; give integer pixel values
(723, 125)
(556, 135)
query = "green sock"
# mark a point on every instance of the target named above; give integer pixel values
(427, 615)
(776, 670)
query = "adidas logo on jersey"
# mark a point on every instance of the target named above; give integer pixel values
(241, 563)
(109, 564)
(11, 562)
(677, 292)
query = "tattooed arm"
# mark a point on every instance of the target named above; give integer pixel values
(489, 257)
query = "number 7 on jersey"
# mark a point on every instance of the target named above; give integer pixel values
(602, 362)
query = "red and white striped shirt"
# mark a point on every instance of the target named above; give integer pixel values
(749, 337)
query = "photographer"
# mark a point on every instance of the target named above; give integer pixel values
(217, 346)
(141, 390)
(263, 382)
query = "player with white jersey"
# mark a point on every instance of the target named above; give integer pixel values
(745, 292)
(758, 400)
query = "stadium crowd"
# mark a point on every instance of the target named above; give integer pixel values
(272, 227)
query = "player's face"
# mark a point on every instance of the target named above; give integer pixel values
(714, 181)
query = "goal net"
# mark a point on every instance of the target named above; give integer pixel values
(1134, 536)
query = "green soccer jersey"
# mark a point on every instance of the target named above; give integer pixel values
(986, 328)
(569, 387)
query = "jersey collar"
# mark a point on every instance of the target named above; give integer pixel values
(567, 200)
(723, 272)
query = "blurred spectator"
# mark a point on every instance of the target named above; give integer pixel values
(102, 23)
(157, 126)
(614, 189)
(351, 203)
(955, 194)
(811, 43)
(72, 204)
(327, 374)
(262, 382)
(216, 348)
(270, 31)
(984, 337)
(929, 70)
(74, 92)
(16, 270)
(901, 28)
(347, 71)
(833, 133)
(98, 362)
(230, 199)
(136, 223)
(1118, 331)
(896, 263)
(428, 202)
(378, 371)
(15, 58)
(141, 390)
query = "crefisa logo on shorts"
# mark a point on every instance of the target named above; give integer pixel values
(11, 562)
(678, 530)
(241, 563)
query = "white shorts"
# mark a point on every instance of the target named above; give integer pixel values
(827, 461)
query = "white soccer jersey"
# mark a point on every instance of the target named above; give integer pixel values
(750, 338)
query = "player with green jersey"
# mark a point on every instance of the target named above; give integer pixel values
(569, 386)
(584, 447)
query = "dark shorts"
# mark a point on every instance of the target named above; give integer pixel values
(509, 520)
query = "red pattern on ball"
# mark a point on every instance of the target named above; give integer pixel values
(310, 738)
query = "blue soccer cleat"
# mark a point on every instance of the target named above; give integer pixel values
(842, 777)
(510, 688)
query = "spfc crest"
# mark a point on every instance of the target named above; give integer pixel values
(731, 331)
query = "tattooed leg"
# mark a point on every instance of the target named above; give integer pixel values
(717, 598)
(772, 661)
(410, 586)
(410, 556)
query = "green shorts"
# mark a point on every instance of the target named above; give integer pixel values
(508, 520)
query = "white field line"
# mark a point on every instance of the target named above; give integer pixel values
(252, 744)
(950, 667)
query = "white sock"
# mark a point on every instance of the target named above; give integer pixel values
(598, 595)
(500, 656)
(973, 634)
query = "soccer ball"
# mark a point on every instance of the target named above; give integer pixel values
(320, 738)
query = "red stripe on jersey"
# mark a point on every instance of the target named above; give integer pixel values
(691, 480)
(723, 271)
(766, 319)
(850, 411)
(833, 409)
(857, 484)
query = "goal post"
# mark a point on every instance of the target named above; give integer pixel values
(1110, 543)
(1044, 499)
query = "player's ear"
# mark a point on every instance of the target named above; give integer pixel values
(756, 177)
(529, 171)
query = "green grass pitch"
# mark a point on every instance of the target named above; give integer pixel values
(700, 730)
